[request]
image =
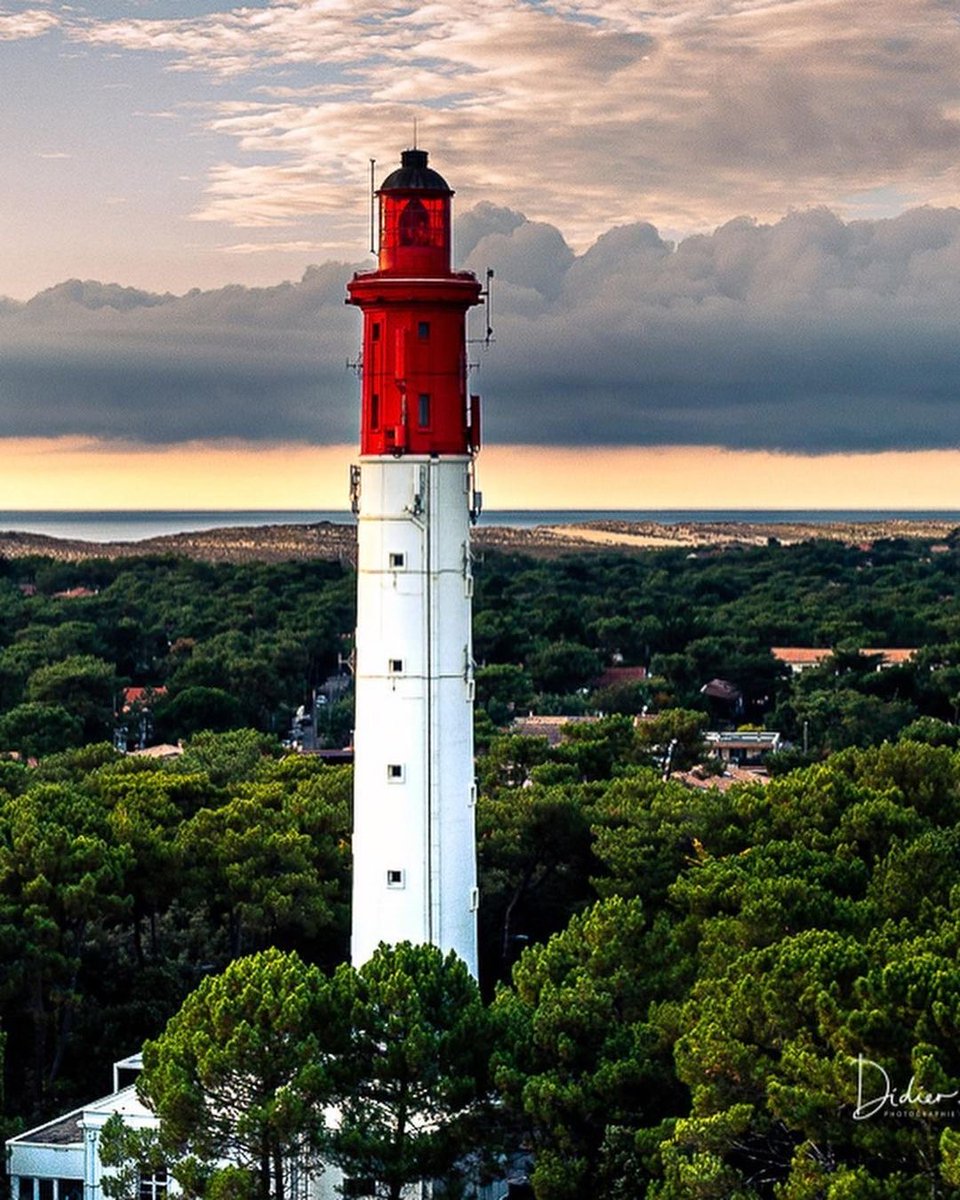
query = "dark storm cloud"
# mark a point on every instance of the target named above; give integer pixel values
(261, 364)
(806, 335)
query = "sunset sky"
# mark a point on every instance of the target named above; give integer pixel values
(726, 249)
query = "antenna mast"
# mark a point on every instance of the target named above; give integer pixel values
(373, 196)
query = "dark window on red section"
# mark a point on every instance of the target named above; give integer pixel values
(375, 411)
(375, 332)
(423, 330)
(423, 410)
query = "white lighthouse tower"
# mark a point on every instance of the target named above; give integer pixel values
(414, 845)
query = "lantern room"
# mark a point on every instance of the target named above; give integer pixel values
(414, 219)
(414, 359)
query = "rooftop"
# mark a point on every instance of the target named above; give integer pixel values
(614, 675)
(164, 750)
(743, 739)
(413, 174)
(549, 727)
(67, 1130)
(814, 655)
(141, 695)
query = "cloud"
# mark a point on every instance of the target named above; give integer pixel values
(305, 248)
(808, 334)
(483, 220)
(31, 23)
(582, 113)
(261, 364)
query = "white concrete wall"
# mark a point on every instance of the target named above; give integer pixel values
(44, 1162)
(418, 718)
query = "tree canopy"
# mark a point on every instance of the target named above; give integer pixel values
(414, 1081)
(692, 983)
(243, 1072)
(246, 644)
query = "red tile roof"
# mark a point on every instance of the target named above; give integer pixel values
(615, 675)
(813, 656)
(140, 695)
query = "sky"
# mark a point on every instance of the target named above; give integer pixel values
(725, 239)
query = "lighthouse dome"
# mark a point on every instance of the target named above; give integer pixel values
(413, 174)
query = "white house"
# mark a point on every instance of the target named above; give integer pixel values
(60, 1160)
(743, 746)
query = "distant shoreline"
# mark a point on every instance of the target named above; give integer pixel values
(330, 540)
(139, 525)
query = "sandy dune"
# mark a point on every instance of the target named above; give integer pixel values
(276, 543)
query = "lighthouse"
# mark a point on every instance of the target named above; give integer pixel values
(414, 845)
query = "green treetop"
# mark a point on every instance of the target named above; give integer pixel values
(244, 1070)
(414, 1082)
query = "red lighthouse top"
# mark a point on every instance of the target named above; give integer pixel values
(414, 219)
(414, 395)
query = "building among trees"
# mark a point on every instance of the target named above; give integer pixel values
(60, 1159)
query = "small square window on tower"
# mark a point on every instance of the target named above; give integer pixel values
(375, 331)
(397, 561)
(396, 666)
(395, 772)
(423, 410)
(423, 330)
(394, 879)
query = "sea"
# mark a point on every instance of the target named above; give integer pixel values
(136, 525)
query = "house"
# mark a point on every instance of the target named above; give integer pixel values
(60, 1160)
(741, 746)
(803, 658)
(549, 727)
(724, 697)
(618, 676)
(800, 658)
(722, 689)
(134, 717)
